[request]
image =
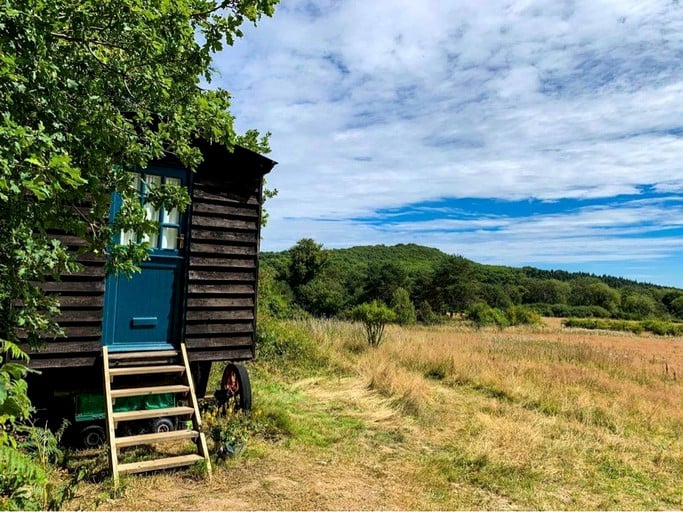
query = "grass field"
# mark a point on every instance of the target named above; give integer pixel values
(444, 418)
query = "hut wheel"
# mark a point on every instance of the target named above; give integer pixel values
(92, 436)
(236, 388)
(160, 425)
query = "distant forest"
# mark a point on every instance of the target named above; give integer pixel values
(429, 284)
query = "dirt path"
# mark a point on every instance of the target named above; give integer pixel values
(363, 474)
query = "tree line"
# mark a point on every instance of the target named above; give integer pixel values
(424, 284)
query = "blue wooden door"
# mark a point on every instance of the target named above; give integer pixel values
(143, 312)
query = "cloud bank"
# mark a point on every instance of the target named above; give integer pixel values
(381, 109)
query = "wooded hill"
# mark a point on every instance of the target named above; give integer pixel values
(310, 279)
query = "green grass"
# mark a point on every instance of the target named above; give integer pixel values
(507, 420)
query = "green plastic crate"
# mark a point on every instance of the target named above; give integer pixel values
(90, 406)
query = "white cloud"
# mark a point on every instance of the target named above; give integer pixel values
(387, 103)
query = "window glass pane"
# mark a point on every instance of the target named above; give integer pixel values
(172, 217)
(152, 181)
(151, 213)
(137, 181)
(153, 240)
(169, 238)
(127, 237)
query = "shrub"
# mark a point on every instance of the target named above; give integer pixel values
(663, 328)
(426, 315)
(480, 314)
(374, 316)
(280, 341)
(658, 327)
(521, 315)
(565, 311)
(30, 479)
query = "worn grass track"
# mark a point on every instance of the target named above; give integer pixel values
(446, 418)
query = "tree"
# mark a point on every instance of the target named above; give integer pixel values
(426, 315)
(403, 307)
(639, 305)
(374, 316)
(454, 285)
(324, 295)
(306, 259)
(87, 91)
(593, 292)
(383, 279)
(546, 291)
(677, 307)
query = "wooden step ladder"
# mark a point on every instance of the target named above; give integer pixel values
(145, 365)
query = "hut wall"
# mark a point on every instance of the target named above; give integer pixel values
(81, 296)
(223, 269)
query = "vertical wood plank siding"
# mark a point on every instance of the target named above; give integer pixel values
(223, 266)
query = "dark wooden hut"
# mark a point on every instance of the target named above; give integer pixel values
(198, 288)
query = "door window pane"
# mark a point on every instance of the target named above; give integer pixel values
(172, 216)
(169, 238)
(137, 181)
(153, 240)
(151, 213)
(127, 237)
(152, 181)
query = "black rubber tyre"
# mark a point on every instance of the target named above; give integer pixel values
(162, 425)
(237, 387)
(92, 436)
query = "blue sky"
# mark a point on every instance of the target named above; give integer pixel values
(543, 133)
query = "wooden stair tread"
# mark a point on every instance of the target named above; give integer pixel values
(152, 413)
(146, 354)
(165, 463)
(143, 363)
(156, 437)
(152, 390)
(143, 370)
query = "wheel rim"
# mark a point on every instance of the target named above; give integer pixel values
(231, 383)
(93, 438)
(235, 388)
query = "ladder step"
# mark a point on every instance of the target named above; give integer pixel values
(151, 465)
(144, 370)
(152, 413)
(153, 390)
(147, 354)
(156, 437)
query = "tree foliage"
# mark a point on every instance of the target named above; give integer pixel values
(88, 91)
(306, 259)
(677, 307)
(374, 316)
(439, 283)
(403, 307)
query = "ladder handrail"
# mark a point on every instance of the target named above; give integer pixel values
(197, 419)
(111, 428)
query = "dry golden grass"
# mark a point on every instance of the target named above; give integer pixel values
(452, 418)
